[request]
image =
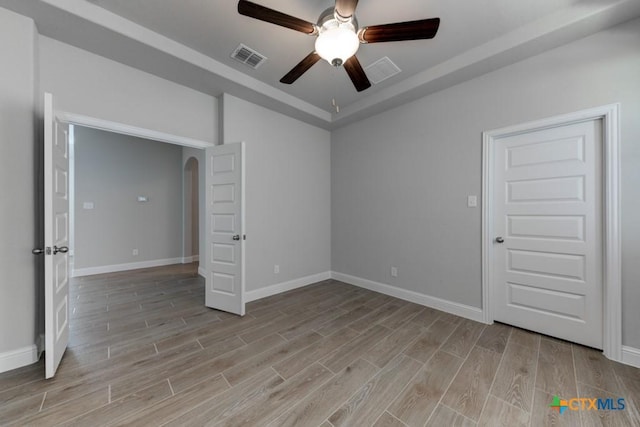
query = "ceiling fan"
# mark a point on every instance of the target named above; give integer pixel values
(339, 36)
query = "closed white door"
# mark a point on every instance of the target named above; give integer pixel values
(56, 237)
(224, 261)
(547, 225)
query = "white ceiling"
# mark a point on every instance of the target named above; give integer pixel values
(214, 27)
(474, 37)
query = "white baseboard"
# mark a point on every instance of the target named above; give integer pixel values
(461, 310)
(285, 286)
(18, 358)
(190, 259)
(78, 272)
(631, 356)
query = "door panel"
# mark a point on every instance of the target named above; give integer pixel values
(56, 237)
(548, 190)
(569, 227)
(224, 262)
(547, 207)
(547, 264)
(546, 301)
(559, 150)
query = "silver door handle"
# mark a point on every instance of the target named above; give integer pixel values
(236, 237)
(499, 240)
(62, 249)
(38, 251)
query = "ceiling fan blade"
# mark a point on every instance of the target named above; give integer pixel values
(346, 8)
(265, 14)
(356, 74)
(302, 67)
(400, 31)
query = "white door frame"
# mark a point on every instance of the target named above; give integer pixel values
(121, 128)
(612, 267)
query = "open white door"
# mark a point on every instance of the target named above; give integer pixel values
(224, 261)
(56, 237)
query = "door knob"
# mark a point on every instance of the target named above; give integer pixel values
(499, 239)
(236, 237)
(37, 251)
(62, 249)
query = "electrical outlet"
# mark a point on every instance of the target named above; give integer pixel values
(472, 201)
(135, 252)
(276, 269)
(394, 271)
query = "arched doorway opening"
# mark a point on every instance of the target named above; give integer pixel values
(191, 243)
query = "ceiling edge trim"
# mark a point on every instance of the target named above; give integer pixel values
(572, 23)
(122, 26)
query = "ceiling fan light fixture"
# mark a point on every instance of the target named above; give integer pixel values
(337, 42)
(338, 37)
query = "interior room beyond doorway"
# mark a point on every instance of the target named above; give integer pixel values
(135, 202)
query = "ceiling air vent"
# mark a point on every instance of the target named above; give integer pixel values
(381, 70)
(248, 56)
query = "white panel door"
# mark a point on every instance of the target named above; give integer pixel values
(56, 237)
(224, 261)
(547, 224)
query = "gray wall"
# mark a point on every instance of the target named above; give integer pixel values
(18, 288)
(400, 179)
(287, 193)
(88, 84)
(112, 170)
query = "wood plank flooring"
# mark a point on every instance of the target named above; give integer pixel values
(144, 351)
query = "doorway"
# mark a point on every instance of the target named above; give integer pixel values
(128, 202)
(551, 244)
(191, 211)
(222, 170)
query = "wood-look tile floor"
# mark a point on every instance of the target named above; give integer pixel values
(145, 351)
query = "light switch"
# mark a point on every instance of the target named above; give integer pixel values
(143, 199)
(87, 205)
(472, 201)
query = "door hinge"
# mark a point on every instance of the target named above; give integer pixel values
(244, 237)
